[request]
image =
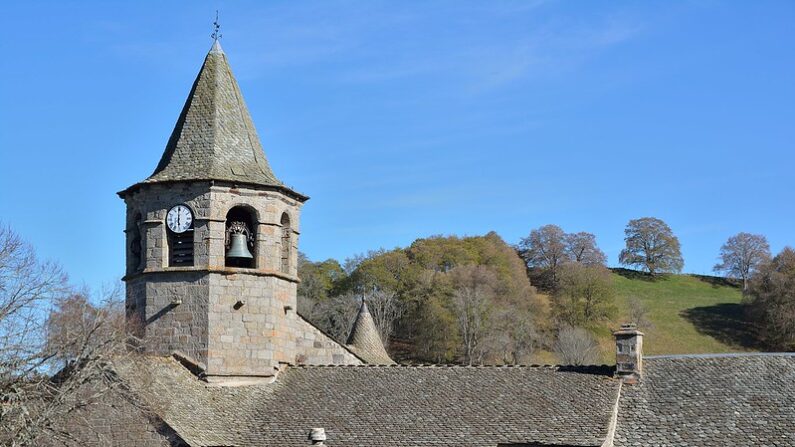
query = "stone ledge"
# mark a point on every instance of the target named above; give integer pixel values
(221, 270)
(233, 381)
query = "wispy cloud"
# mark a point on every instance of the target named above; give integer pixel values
(478, 46)
(545, 52)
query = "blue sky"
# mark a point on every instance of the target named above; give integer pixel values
(407, 119)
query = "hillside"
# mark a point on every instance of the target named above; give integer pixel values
(688, 314)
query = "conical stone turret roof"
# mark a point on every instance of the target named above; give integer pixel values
(215, 138)
(364, 340)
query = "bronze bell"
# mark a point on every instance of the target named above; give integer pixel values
(238, 248)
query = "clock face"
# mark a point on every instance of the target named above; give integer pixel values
(179, 219)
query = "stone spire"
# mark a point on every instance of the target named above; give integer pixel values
(214, 138)
(364, 340)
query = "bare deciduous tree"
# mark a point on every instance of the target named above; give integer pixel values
(548, 248)
(575, 346)
(652, 246)
(771, 295)
(79, 349)
(581, 247)
(513, 337)
(638, 314)
(385, 309)
(741, 255)
(545, 248)
(473, 290)
(333, 316)
(27, 286)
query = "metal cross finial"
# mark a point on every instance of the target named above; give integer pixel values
(216, 27)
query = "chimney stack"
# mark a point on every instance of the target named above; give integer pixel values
(317, 436)
(629, 353)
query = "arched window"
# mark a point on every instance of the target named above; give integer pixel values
(136, 243)
(241, 227)
(287, 242)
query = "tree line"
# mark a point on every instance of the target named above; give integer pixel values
(651, 246)
(570, 266)
(475, 299)
(442, 299)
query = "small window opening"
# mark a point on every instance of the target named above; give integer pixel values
(180, 247)
(240, 237)
(136, 243)
(287, 242)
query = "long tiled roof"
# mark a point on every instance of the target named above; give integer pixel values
(389, 405)
(737, 400)
(743, 400)
(214, 138)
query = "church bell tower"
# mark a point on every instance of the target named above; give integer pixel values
(212, 239)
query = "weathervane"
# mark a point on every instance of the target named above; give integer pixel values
(216, 27)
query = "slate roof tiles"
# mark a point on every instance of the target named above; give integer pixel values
(740, 400)
(214, 137)
(364, 340)
(391, 405)
(710, 400)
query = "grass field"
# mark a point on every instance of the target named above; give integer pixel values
(688, 314)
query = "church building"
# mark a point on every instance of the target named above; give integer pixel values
(211, 278)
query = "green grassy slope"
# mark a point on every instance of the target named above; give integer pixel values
(689, 314)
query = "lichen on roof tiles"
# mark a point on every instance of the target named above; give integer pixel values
(743, 400)
(215, 138)
(364, 340)
(387, 405)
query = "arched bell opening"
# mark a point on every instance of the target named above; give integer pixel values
(241, 227)
(286, 243)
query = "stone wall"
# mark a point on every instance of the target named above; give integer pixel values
(169, 310)
(233, 321)
(248, 324)
(254, 327)
(313, 347)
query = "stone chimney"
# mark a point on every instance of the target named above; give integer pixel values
(317, 436)
(629, 353)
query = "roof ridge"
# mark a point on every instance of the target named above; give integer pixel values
(213, 131)
(455, 366)
(719, 355)
(259, 155)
